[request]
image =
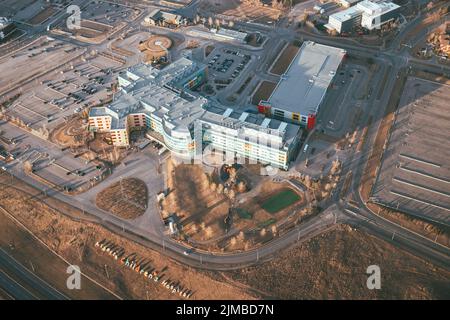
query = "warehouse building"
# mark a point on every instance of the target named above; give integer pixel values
(301, 90)
(161, 102)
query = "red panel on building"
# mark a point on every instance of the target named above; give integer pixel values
(264, 107)
(311, 121)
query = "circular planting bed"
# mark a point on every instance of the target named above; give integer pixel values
(126, 199)
(156, 46)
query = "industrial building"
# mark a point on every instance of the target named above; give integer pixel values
(369, 14)
(161, 102)
(301, 90)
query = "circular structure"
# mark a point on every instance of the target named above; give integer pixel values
(156, 46)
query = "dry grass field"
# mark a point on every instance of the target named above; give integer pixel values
(333, 266)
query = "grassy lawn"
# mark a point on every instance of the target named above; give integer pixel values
(279, 201)
(244, 214)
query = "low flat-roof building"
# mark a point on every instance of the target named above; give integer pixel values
(159, 17)
(229, 34)
(300, 91)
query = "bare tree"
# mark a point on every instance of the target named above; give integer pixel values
(28, 166)
(263, 232)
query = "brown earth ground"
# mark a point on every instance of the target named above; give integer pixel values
(285, 59)
(330, 266)
(75, 242)
(264, 91)
(333, 266)
(35, 256)
(126, 199)
(208, 50)
(241, 9)
(202, 211)
(72, 133)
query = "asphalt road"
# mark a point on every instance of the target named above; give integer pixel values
(20, 283)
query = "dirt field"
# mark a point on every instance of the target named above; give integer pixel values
(242, 9)
(46, 265)
(75, 242)
(284, 60)
(209, 218)
(264, 91)
(330, 266)
(126, 199)
(333, 266)
(195, 203)
(208, 50)
(73, 133)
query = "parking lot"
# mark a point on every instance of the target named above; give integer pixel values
(65, 91)
(109, 13)
(58, 167)
(415, 175)
(226, 65)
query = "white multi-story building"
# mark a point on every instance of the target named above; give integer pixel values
(345, 21)
(370, 14)
(161, 102)
(375, 14)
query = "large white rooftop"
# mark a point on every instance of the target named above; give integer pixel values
(303, 86)
(375, 8)
(346, 14)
